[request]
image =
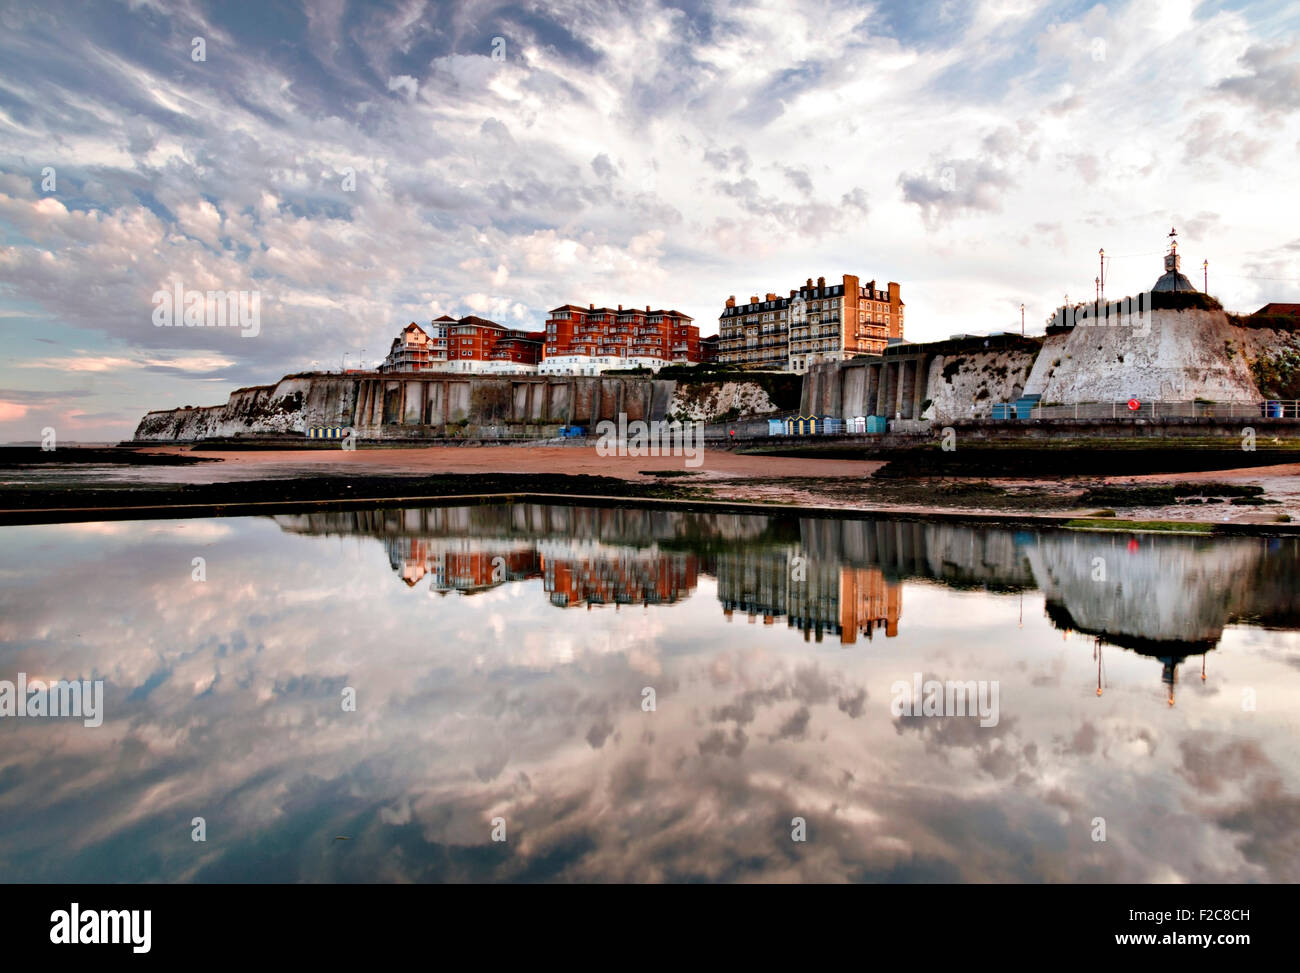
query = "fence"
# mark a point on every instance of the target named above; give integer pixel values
(1194, 409)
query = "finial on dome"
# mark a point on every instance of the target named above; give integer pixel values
(1172, 279)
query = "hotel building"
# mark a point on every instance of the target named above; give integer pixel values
(468, 345)
(587, 341)
(815, 323)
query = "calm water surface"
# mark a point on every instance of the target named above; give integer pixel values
(500, 657)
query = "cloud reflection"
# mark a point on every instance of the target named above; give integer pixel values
(481, 694)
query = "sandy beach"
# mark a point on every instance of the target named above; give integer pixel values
(731, 476)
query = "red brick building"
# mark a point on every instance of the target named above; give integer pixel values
(468, 344)
(591, 339)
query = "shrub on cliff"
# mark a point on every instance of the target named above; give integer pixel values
(1183, 301)
(1278, 375)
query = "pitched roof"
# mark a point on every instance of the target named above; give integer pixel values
(481, 322)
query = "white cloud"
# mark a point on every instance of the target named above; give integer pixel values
(736, 150)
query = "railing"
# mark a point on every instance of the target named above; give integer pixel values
(1196, 408)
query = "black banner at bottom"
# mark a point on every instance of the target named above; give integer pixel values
(169, 923)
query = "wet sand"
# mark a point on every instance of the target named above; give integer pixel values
(741, 477)
(714, 463)
(240, 479)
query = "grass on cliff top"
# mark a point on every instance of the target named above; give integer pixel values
(1146, 526)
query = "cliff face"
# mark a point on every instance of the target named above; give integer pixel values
(710, 401)
(1174, 356)
(257, 410)
(965, 385)
(434, 405)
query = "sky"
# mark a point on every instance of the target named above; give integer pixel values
(357, 166)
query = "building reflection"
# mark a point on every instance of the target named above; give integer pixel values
(1167, 598)
(817, 597)
(618, 577)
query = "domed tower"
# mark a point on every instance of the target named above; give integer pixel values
(1171, 279)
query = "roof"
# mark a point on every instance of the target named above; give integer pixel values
(615, 311)
(1276, 308)
(1173, 281)
(481, 322)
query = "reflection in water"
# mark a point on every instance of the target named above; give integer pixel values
(477, 698)
(1167, 597)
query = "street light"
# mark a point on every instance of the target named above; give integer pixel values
(1022, 320)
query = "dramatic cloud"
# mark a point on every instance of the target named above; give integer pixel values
(361, 166)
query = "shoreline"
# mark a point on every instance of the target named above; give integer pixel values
(1258, 501)
(70, 515)
(1071, 520)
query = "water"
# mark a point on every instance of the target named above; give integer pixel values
(500, 658)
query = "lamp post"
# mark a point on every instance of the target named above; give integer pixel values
(344, 366)
(1022, 320)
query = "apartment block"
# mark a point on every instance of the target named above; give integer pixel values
(814, 323)
(469, 344)
(587, 341)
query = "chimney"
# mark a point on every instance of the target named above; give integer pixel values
(647, 309)
(809, 284)
(792, 293)
(753, 298)
(620, 307)
(731, 301)
(770, 297)
(821, 283)
(591, 307)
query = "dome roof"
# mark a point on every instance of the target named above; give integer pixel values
(1173, 281)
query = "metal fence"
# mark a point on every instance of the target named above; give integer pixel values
(1193, 409)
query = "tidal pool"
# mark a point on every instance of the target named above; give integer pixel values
(523, 693)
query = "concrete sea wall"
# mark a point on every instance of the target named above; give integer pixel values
(383, 407)
(1170, 356)
(412, 407)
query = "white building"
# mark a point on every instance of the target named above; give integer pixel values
(596, 364)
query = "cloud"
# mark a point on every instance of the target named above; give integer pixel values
(1271, 83)
(361, 172)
